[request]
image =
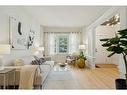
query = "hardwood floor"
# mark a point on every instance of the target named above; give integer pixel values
(76, 78)
(106, 66)
(99, 78)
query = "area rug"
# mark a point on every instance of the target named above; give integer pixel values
(61, 80)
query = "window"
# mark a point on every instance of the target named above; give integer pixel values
(61, 44)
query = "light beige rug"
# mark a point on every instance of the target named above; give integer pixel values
(61, 79)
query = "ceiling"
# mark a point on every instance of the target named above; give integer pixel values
(66, 16)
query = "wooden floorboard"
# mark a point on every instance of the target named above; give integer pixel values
(99, 78)
(106, 66)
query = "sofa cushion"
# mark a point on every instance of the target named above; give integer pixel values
(19, 62)
(28, 59)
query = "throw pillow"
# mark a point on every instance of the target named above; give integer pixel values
(19, 62)
(34, 62)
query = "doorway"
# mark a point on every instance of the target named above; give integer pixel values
(107, 29)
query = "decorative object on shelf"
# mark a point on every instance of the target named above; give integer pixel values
(4, 49)
(118, 45)
(81, 58)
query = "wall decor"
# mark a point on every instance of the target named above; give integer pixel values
(18, 38)
(31, 37)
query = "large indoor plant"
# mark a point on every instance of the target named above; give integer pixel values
(118, 45)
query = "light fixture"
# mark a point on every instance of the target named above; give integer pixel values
(107, 24)
(112, 21)
(41, 48)
(4, 49)
(37, 50)
(82, 47)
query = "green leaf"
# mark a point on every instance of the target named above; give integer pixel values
(123, 33)
(124, 42)
(124, 30)
(115, 40)
(106, 44)
(118, 50)
(104, 39)
(111, 54)
(124, 36)
(111, 48)
(125, 51)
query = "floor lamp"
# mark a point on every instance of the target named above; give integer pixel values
(4, 49)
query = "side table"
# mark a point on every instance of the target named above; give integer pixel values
(5, 74)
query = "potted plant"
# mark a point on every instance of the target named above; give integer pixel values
(118, 45)
(81, 60)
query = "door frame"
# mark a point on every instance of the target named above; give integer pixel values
(92, 34)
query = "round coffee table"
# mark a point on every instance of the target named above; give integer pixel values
(62, 64)
(61, 67)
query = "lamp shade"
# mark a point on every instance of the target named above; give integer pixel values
(41, 48)
(82, 47)
(4, 49)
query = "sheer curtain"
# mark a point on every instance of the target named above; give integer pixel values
(74, 41)
(49, 43)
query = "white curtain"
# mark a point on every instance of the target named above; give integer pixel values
(74, 41)
(49, 43)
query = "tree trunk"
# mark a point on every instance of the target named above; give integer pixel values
(125, 60)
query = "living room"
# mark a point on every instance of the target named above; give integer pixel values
(42, 44)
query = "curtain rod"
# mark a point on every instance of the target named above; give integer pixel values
(62, 32)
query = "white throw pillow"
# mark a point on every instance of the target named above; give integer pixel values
(19, 62)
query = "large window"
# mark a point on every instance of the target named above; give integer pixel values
(61, 43)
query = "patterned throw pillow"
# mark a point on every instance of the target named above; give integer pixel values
(39, 61)
(34, 62)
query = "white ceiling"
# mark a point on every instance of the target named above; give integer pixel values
(66, 16)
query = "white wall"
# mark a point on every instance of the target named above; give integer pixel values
(101, 52)
(62, 29)
(28, 22)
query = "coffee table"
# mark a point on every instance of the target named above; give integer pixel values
(61, 67)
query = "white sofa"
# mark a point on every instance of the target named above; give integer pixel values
(39, 76)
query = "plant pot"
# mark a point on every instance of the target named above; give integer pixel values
(121, 84)
(81, 63)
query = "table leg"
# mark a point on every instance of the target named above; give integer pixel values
(14, 79)
(4, 87)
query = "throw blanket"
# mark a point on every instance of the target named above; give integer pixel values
(27, 76)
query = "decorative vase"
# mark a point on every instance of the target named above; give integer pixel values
(81, 63)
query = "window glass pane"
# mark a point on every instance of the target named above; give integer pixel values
(63, 44)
